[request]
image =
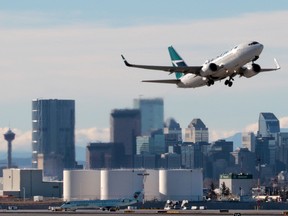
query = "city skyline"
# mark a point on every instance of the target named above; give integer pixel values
(85, 141)
(72, 51)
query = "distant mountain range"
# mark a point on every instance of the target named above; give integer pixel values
(23, 159)
(236, 139)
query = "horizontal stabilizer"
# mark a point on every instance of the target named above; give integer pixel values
(170, 81)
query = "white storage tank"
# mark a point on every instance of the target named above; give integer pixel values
(81, 184)
(180, 184)
(120, 183)
(151, 185)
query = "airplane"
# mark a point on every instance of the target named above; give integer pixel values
(226, 66)
(112, 204)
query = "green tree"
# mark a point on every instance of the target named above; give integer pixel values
(225, 191)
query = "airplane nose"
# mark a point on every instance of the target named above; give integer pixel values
(261, 46)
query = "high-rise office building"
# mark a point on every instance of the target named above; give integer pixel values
(196, 132)
(266, 142)
(53, 138)
(194, 155)
(220, 157)
(104, 155)
(248, 141)
(143, 145)
(125, 126)
(265, 150)
(152, 114)
(158, 142)
(173, 134)
(268, 125)
(283, 148)
(245, 160)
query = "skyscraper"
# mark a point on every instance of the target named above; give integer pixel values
(104, 155)
(173, 132)
(53, 139)
(152, 114)
(248, 141)
(268, 125)
(125, 126)
(196, 132)
(266, 143)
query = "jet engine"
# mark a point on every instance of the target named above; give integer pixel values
(252, 70)
(208, 69)
(213, 67)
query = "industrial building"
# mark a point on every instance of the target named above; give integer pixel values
(27, 183)
(239, 184)
(161, 185)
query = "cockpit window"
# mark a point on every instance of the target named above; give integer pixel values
(253, 43)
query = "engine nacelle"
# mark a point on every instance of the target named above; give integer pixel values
(252, 70)
(209, 69)
(213, 67)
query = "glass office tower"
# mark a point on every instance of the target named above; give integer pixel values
(53, 138)
(152, 114)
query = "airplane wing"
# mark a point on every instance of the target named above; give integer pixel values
(271, 69)
(250, 71)
(170, 81)
(171, 69)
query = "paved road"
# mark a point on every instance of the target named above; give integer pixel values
(143, 212)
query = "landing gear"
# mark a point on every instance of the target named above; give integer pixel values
(255, 58)
(210, 82)
(229, 82)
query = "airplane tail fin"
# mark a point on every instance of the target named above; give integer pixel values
(177, 61)
(138, 196)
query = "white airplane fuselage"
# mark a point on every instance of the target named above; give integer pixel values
(228, 63)
(102, 204)
(238, 61)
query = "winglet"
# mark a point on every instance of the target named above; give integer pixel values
(125, 61)
(277, 64)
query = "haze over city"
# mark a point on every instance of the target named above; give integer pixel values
(71, 50)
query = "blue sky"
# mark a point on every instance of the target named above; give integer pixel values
(71, 49)
(128, 12)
